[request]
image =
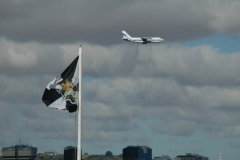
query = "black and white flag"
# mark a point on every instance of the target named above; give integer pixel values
(62, 92)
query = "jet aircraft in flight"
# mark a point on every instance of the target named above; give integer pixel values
(142, 40)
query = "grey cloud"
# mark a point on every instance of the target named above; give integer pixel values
(104, 145)
(123, 123)
(29, 58)
(167, 81)
(174, 141)
(201, 65)
(101, 137)
(116, 101)
(179, 128)
(168, 101)
(101, 22)
(234, 145)
(111, 136)
(224, 21)
(184, 89)
(222, 124)
(37, 121)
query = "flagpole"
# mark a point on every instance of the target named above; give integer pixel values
(79, 154)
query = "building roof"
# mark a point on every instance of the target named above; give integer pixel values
(136, 147)
(21, 147)
(70, 147)
(190, 155)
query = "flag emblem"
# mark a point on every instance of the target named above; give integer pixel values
(68, 90)
(61, 93)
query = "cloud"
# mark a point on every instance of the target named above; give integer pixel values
(22, 60)
(132, 94)
(101, 22)
(179, 128)
(201, 65)
(179, 90)
(234, 145)
(225, 17)
(27, 58)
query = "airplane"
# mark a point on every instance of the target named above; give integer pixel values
(142, 40)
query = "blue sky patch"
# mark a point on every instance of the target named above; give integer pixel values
(225, 44)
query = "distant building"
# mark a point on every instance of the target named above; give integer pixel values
(70, 153)
(50, 153)
(21, 152)
(137, 153)
(220, 156)
(190, 156)
(164, 157)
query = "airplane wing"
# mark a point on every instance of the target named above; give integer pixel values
(144, 38)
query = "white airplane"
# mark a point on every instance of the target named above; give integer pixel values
(142, 40)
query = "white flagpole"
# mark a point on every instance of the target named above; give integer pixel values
(79, 154)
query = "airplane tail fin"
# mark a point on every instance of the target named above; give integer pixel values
(126, 35)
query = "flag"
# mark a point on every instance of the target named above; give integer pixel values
(62, 92)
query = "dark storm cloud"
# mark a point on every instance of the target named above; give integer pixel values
(101, 22)
(55, 21)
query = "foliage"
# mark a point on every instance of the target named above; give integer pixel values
(120, 155)
(103, 157)
(48, 157)
(109, 153)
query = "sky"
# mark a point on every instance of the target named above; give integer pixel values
(180, 96)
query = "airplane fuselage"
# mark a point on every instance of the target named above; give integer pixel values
(148, 40)
(142, 40)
